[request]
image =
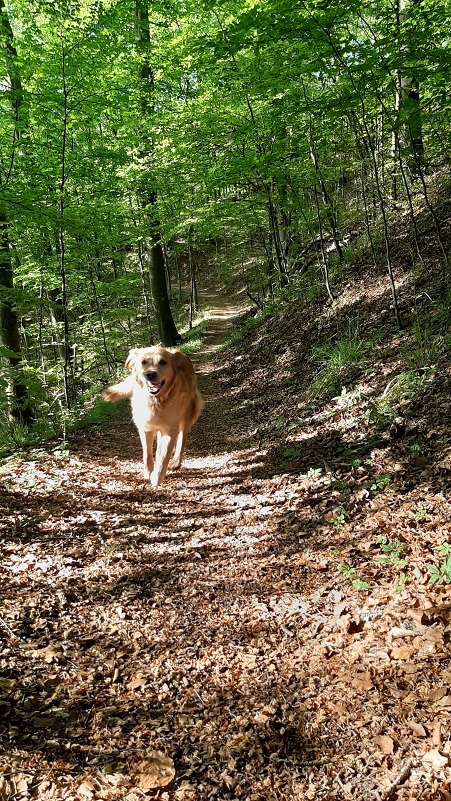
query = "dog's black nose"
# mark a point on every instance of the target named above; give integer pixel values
(152, 376)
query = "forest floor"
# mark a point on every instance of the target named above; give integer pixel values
(263, 625)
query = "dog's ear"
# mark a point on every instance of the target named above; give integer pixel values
(130, 360)
(182, 363)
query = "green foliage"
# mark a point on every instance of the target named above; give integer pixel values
(335, 361)
(226, 154)
(241, 332)
(443, 314)
(441, 573)
(339, 521)
(381, 482)
(392, 556)
(292, 452)
(422, 352)
(314, 472)
(96, 414)
(406, 386)
(351, 575)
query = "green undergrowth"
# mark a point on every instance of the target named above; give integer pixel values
(334, 361)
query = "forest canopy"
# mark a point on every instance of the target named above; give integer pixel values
(140, 140)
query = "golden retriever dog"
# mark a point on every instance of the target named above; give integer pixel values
(165, 403)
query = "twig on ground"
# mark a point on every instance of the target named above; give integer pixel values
(401, 777)
(10, 631)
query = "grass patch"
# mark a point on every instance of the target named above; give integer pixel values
(337, 361)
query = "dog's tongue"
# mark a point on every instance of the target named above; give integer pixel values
(154, 388)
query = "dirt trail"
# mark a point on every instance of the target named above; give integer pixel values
(202, 620)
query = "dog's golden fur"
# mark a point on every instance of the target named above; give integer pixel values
(165, 403)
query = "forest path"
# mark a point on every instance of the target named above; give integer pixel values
(210, 620)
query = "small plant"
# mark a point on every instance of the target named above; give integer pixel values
(392, 550)
(393, 556)
(404, 386)
(443, 315)
(314, 472)
(414, 450)
(421, 353)
(292, 452)
(340, 485)
(334, 361)
(349, 573)
(381, 482)
(340, 520)
(441, 574)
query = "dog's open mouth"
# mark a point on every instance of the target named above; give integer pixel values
(153, 387)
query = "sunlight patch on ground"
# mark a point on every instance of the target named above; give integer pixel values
(207, 462)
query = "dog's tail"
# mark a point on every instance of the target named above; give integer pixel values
(119, 391)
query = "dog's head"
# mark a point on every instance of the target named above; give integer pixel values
(156, 368)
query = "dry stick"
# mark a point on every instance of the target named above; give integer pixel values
(403, 774)
(10, 631)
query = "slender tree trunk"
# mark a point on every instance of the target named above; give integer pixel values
(324, 263)
(155, 256)
(327, 201)
(61, 240)
(411, 128)
(22, 407)
(377, 182)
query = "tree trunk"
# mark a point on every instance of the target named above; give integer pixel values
(167, 330)
(21, 407)
(155, 256)
(10, 328)
(411, 132)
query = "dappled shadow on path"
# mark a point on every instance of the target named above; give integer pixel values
(211, 618)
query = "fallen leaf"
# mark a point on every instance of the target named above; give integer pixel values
(435, 759)
(362, 681)
(86, 789)
(156, 770)
(437, 693)
(385, 743)
(403, 652)
(417, 728)
(445, 702)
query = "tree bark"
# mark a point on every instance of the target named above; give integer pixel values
(409, 106)
(167, 330)
(22, 407)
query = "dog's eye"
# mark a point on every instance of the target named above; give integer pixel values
(162, 362)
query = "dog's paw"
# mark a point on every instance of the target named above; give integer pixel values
(154, 479)
(175, 464)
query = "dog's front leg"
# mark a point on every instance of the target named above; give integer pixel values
(165, 446)
(147, 445)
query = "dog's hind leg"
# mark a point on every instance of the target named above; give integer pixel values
(146, 438)
(177, 456)
(165, 447)
(179, 451)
